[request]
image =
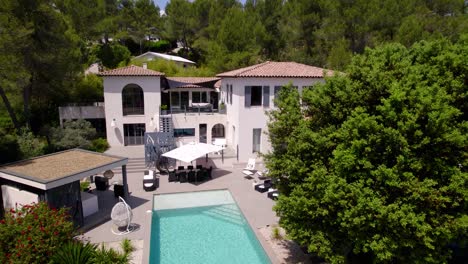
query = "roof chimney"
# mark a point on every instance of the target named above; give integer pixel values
(145, 65)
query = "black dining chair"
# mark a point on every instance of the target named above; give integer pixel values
(199, 167)
(181, 168)
(189, 167)
(209, 172)
(201, 175)
(172, 176)
(182, 176)
(191, 176)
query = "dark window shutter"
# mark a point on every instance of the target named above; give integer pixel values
(266, 96)
(227, 94)
(247, 95)
(276, 91)
(230, 100)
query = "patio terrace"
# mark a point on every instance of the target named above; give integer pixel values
(255, 206)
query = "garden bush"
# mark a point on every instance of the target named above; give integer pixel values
(33, 233)
(158, 46)
(74, 134)
(99, 145)
(75, 253)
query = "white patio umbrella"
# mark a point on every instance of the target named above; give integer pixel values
(190, 152)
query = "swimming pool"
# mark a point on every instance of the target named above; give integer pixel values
(202, 227)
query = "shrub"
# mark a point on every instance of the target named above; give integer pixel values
(33, 233)
(158, 46)
(276, 233)
(30, 146)
(75, 253)
(127, 246)
(112, 54)
(9, 144)
(89, 88)
(84, 186)
(109, 256)
(79, 253)
(99, 145)
(74, 134)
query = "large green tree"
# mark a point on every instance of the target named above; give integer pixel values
(44, 50)
(375, 167)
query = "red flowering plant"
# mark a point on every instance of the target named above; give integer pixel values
(32, 234)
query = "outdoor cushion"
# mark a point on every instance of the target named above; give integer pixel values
(246, 172)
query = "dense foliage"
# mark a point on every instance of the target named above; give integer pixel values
(73, 134)
(36, 233)
(372, 164)
(33, 233)
(78, 252)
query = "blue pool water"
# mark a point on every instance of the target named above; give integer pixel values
(204, 234)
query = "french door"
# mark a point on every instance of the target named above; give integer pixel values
(134, 134)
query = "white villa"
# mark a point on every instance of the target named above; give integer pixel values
(231, 106)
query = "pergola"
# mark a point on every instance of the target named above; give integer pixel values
(55, 178)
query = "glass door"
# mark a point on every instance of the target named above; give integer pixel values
(257, 132)
(134, 134)
(184, 101)
(214, 99)
(202, 136)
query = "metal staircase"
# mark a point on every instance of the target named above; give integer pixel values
(157, 143)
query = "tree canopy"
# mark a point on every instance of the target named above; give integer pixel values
(372, 164)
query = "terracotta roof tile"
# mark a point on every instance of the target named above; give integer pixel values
(131, 70)
(272, 69)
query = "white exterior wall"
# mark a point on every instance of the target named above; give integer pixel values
(194, 121)
(15, 198)
(245, 119)
(113, 87)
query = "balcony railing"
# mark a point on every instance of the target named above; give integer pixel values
(191, 110)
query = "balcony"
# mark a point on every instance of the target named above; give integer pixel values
(195, 109)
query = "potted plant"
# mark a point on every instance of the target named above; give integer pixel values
(163, 109)
(222, 107)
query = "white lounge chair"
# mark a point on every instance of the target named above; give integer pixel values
(273, 193)
(249, 169)
(149, 181)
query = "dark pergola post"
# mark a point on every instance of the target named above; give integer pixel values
(124, 180)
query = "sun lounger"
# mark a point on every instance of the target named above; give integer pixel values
(273, 194)
(149, 181)
(249, 170)
(264, 186)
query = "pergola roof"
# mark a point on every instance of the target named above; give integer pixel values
(56, 169)
(192, 82)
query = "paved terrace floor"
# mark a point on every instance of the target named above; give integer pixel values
(256, 206)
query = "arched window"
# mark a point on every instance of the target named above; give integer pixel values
(217, 131)
(132, 100)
